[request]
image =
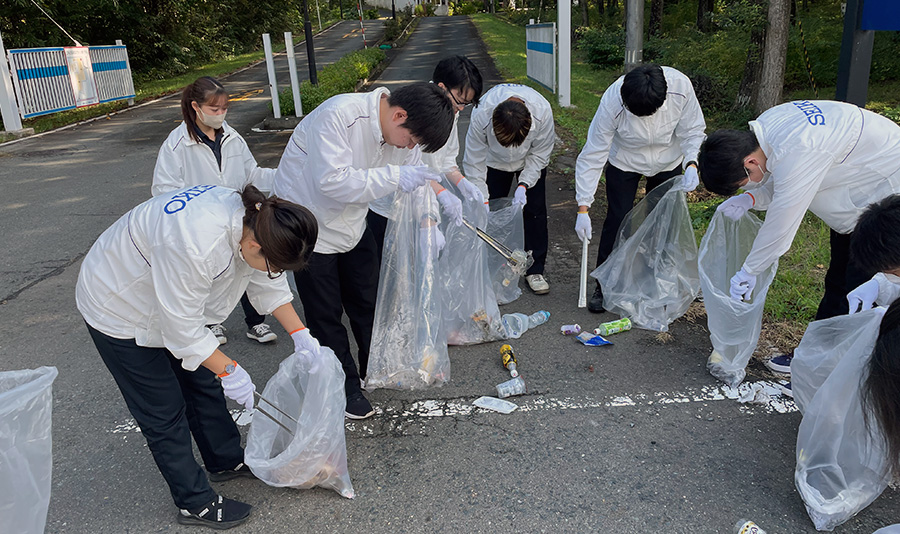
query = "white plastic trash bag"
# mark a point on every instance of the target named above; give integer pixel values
(26, 451)
(651, 274)
(734, 326)
(841, 464)
(310, 388)
(505, 224)
(471, 314)
(890, 529)
(409, 345)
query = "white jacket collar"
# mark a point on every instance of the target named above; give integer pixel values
(374, 104)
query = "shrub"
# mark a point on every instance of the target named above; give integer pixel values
(466, 8)
(339, 77)
(602, 48)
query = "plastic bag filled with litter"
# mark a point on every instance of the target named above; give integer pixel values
(310, 388)
(842, 465)
(734, 326)
(409, 344)
(470, 314)
(505, 225)
(26, 448)
(651, 274)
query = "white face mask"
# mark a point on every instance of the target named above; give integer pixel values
(750, 185)
(892, 278)
(213, 121)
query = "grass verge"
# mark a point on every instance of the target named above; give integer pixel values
(798, 287)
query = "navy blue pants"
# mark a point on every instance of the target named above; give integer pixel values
(332, 284)
(534, 214)
(251, 316)
(170, 404)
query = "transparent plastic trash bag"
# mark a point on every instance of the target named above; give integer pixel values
(734, 326)
(26, 449)
(471, 314)
(651, 274)
(890, 529)
(310, 388)
(409, 344)
(841, 464)
(505, 225)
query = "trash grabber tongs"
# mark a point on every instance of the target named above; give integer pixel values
(267, 414)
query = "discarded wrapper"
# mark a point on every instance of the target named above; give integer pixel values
(495, 404)
(592, 340)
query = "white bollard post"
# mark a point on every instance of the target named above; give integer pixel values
(8, 109)
(292, 66)
(564, 89)
(270, 67)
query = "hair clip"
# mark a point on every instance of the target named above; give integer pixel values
(258, 205)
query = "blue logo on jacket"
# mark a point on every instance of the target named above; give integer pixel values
(814, 115)
(179, 201)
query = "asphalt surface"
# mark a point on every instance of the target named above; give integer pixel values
(632, 438)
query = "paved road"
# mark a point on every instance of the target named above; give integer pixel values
(633, 438)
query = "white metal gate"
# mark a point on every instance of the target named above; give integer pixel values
(47, 80)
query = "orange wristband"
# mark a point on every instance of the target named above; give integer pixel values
(297, 330)
(751, 196)
(226, 373)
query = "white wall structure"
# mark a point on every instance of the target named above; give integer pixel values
(540, 53)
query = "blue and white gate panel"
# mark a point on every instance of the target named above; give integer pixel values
(540, 45)
(112, 72)
(41, 80)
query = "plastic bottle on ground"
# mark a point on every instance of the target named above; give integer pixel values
(508, 357)
(745, 526)
(613, 327)
(537, 318)
(515, 324)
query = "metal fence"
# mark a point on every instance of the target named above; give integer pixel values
(47, 80)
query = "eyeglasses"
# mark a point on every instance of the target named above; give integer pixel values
(457, 102)
(747, 171)
(273, 274)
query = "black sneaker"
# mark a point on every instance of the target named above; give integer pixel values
(220, 514)
(358, 407)
(595, 303)
(242, 470)
(786, 389)
(781, 363)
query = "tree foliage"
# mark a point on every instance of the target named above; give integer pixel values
(163, 36)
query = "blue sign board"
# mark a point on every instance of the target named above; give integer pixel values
(880, 15)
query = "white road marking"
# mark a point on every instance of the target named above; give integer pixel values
(757, 396)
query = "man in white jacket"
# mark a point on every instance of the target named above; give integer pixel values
(510, 138)
(649, 123)
(351, 150)
(831, 158)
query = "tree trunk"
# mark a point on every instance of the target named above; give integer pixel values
(585, 18)
(752, 65)
(704, 12)
(600, 5)
(612, 6)
(656, 11)
(771, 80)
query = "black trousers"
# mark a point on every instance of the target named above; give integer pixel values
(621, 188)
(378, 225)
(170, 404)
(844, 275)
(251, 316)
(534, 214)
(333, 284)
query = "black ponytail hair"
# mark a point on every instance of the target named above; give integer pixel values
(881, 387)
(286, 232)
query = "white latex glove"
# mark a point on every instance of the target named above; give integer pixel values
(487, 207)
(863, 297)
(451, 206)
(583, 226)
(470, 191)
(742, 284)
(735, 207)
(238, 386)
(691, 178)
(431, 241)
(412, 177)
(520, 199)
(304, 340)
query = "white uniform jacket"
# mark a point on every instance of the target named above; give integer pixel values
(168, 268)
(646, 145)
(888, 288)
(831, 158)
(444, 160)
(183, 162)
(336, 162)
(483, 150)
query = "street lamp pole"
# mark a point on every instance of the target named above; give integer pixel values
(393, 11)
(310, 50)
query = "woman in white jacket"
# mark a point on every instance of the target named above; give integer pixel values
(204, 149)
(147, 289)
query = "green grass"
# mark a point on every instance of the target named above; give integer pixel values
(798, 287)
(148, 89)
